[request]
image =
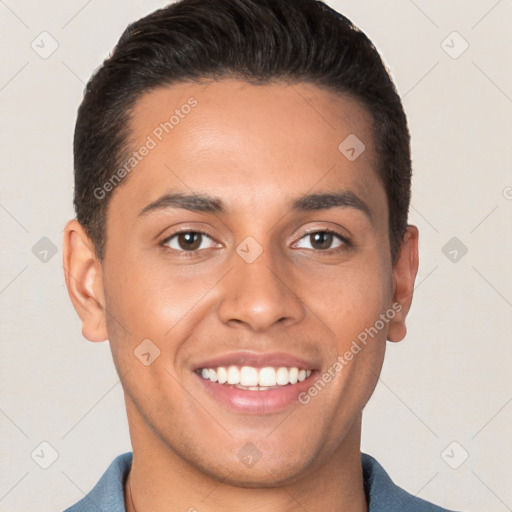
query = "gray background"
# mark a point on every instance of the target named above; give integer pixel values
(448, 382)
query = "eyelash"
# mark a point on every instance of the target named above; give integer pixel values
(187, 254)
(345, 241)
(184, 254)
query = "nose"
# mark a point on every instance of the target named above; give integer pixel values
(260, 295)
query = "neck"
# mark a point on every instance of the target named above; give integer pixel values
(160, 480)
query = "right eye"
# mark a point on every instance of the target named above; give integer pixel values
(189, 241)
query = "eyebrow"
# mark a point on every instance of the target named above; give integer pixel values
(192, 202)
(324, 201)
(209, 204)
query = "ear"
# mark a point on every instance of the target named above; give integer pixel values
(84, 281)
(405, 269)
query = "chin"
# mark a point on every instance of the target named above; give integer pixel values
(262, 475)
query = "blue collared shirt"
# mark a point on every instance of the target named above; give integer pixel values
(383, 495)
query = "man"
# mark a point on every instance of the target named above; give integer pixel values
(242, 182)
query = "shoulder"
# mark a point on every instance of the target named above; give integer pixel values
(385, 496)
(108, 493)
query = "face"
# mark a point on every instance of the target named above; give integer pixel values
(247, 247)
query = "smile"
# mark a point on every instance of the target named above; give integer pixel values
(255, 379)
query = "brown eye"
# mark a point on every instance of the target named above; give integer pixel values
(321, 241)
(189, 241)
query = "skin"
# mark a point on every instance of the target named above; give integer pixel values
(257, 148)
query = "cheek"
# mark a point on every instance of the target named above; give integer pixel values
(351, 298)
(352, 305)
(148, 300)
(151, 298)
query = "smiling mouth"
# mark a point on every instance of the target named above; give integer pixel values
(251, 378)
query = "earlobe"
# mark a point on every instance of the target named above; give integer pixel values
(405, 269)
(84, 281)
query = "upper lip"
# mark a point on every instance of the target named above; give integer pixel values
(257, 360)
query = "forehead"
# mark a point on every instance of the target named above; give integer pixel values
(251, 143)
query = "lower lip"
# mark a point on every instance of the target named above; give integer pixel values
(257, 402)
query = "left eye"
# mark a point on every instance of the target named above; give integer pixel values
(320, 241)
(189, 241)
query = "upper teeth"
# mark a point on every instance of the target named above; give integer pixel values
(250, 376)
